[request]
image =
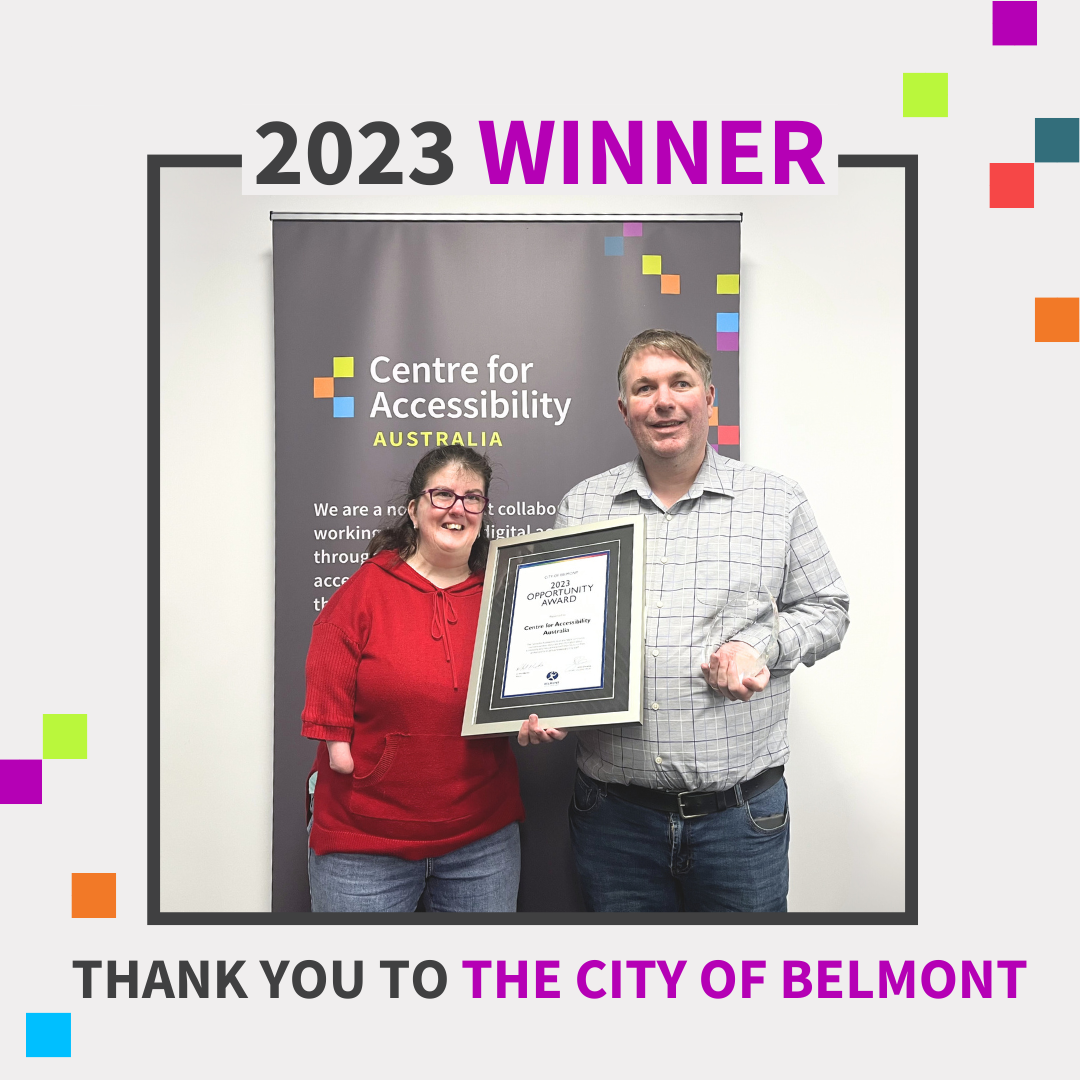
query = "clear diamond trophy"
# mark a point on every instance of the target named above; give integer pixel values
(734, 617)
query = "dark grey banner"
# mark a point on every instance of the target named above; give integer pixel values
(392, 337)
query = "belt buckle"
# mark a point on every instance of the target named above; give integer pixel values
(682, 813)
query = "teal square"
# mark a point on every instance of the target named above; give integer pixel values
(926, 93)
(48, 1035)
(1057, 139)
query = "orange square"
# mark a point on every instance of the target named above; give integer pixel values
(324, 387)
(1057, 318)
(93, 896)
(714, 416)
(669, 283)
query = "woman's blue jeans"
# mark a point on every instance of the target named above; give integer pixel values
(481, 876)
(631, 858)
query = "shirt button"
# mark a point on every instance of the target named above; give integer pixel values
(659, 603)
(655, 705)
(659, 760)
(667, 517)
(656, 652)
(664, 559)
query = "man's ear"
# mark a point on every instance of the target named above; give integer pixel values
(710, 395)
(622, 409)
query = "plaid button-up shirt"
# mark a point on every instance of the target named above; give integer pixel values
(712, 560)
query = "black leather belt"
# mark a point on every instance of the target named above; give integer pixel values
(690, 804)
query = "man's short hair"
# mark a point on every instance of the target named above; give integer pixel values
(666, 341)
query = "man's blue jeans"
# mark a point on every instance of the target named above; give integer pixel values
(632, 858)
(481, 876)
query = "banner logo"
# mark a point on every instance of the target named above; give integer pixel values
(324, 386)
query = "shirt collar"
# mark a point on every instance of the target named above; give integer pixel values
(712, 476)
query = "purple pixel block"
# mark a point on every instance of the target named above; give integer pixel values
(631, 228)
(20, 781)
(1016, 22)
(727, 342)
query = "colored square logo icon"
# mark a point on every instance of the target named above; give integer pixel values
(631, 228)
(727, 284)
(1057, 139)
(650, 264)
(93, 896)
(613, 245)
(343, 406)
(63, 735)
(1057, 318)
(926, 93)
(727, 342)
(1016, 22)
(727, 435)
(48, 1035)
(343, 367)
(324, 387)
(20, 781)
(727, 322)
(1012, 185)
(670, 284)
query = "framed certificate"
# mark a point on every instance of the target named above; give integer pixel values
(561, 631)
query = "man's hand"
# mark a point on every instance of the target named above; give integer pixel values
(340, 756)
(735, 671)
(532, 733)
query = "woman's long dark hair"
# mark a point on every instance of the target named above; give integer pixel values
(401, 537)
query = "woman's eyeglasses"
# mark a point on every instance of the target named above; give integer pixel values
(444, 499)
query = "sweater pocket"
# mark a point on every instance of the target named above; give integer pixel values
(434, 781)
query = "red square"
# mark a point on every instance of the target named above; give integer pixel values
(727, 435)
(1012, 185)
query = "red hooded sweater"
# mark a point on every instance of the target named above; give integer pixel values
(388, 671)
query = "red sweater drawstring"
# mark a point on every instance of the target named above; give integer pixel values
(442, 615)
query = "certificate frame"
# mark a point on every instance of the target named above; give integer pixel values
(495, 705)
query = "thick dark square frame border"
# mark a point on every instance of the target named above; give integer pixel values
(156, 917)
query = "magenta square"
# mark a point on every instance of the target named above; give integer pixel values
(1016, 22)
(727, 342)
(631, 228)
(20, 781)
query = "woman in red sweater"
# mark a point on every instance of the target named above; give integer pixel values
(405, 808)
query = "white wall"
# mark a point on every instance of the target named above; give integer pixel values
(822, 401)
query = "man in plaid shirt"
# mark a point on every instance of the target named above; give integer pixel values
(688, 811)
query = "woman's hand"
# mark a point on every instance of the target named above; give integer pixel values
(532, 733)
(340, 756)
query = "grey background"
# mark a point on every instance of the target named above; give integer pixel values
(540, 292)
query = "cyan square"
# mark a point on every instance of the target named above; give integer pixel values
(613, 245)
(727, 322)
(48, 1035)
(1057, 139)
(343, 406)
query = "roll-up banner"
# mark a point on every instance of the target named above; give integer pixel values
(396, 336)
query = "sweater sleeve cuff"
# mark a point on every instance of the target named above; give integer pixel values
(325, 731)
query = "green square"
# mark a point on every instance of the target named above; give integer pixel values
(63, 735)
(926, 93)
(343, 367)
